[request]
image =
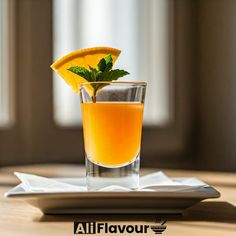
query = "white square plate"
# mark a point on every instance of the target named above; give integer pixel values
(163, 200)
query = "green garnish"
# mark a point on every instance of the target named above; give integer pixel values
(102, 72)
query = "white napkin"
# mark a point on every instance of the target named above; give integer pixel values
(156, 181)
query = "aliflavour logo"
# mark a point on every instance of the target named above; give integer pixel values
(108, 228)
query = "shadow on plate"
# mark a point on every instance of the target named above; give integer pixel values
(204, 211)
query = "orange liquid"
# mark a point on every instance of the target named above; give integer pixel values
(112, 132)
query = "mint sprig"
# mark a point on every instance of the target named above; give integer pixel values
(102, 72)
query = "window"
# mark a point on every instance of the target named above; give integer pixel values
(139, 28)
(39, 101)
(5, 73)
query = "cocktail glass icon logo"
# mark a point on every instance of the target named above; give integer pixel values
(108, 228)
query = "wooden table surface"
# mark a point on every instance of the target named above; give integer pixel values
(210, 217)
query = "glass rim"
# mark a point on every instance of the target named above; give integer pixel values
(116, 82)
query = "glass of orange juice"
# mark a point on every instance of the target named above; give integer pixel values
(112, 129)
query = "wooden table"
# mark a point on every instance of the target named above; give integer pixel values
(210, 217)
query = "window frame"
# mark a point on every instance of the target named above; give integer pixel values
(35, 138)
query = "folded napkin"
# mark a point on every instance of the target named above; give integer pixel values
(156, 181)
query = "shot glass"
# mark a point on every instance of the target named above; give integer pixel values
(112, 129)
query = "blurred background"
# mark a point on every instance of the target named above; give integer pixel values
(184, 49)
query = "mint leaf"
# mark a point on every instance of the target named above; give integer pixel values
(109, 62)
(105, 64)
(108, 59)
(112, 75)
(94, 74)
(83, 72)
(101, 66)
(116, 74)
(102, 72)
(109, 76)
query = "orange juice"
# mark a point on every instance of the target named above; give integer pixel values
(112, 132)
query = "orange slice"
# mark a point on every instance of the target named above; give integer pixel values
(85, 58)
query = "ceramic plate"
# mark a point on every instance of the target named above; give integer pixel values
(163, 200)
